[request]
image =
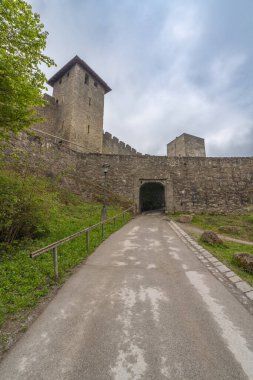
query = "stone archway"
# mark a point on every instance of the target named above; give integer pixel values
(152, 196)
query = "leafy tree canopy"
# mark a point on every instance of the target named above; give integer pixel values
(22, 42)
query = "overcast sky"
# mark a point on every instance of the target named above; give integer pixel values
(174, 66)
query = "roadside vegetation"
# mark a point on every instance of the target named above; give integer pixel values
(34, 212)
(225, 253)
(233, 226)
(237, 226)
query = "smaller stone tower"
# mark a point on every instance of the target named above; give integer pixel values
(79, 95)
(186, 146)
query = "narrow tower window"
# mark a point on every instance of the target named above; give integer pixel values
(86, 79)
(89, 101)
(88, 129)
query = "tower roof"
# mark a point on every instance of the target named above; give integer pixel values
(70, 64)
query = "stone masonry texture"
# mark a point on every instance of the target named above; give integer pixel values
(192, 184)
(76, 109)
(112, 145)
(81, 109)
(186, 146)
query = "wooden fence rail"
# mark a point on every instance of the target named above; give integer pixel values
(53, 247)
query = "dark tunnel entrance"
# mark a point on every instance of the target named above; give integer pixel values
(152, 196)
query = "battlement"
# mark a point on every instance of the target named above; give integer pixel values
(112, 145)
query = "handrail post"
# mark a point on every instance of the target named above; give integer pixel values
(88, 240)
(53, 246)
(55, 256)
(102, 227)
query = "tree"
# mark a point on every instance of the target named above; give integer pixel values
(22, 42)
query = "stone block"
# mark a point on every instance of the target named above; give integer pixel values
(217, 263)
(235, 279)
(185, 218)
(223, 268)
(243, 286)
(250, 295)
(230, 274)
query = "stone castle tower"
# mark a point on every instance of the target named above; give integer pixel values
(186, 146)
(74, 114)
(79, 97)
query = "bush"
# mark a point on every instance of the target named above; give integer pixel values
(210, 237)
(245, 260)
(24, 206)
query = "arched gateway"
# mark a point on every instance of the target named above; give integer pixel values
(152, 196)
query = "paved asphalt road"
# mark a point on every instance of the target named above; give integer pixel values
(143, 307)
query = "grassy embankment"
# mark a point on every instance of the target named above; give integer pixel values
(234, 226)
(46, 214)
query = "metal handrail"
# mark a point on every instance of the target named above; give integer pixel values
(53, 246)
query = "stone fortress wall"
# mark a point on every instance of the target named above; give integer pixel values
(49, 113)
(192, 184)
(51, 125)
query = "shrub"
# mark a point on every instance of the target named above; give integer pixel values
(245, 260)
(210, 237)
(24, 207)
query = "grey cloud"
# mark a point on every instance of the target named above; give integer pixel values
(173, 66)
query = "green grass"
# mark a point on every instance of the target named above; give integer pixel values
(23, 281)
(225, 252)
(222, 224)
